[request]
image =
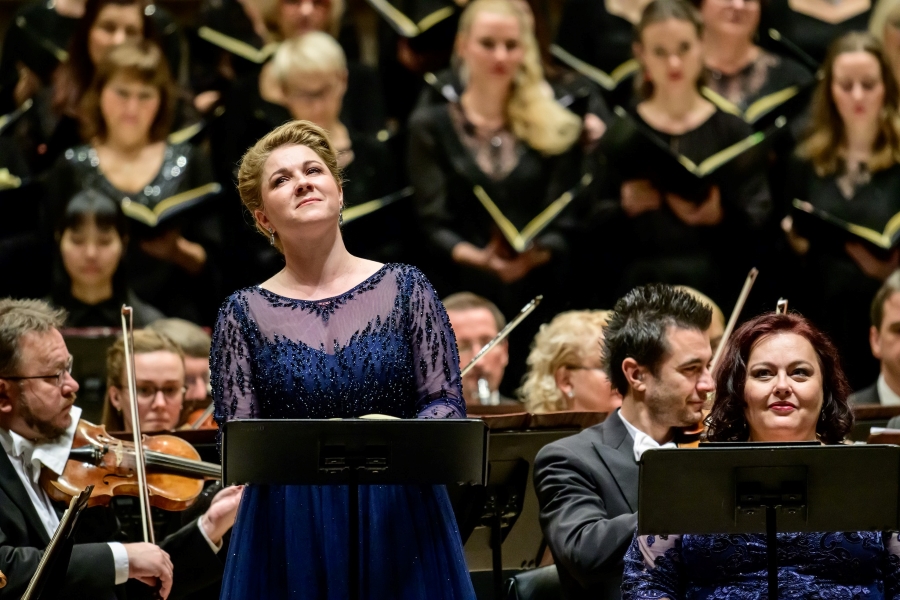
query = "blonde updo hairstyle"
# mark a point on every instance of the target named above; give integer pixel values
(292, 133)
(533, 113)
(563, 342)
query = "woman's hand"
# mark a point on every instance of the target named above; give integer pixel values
(495, 258)
(204, 101)
(27, 85)
(172, 247)
(639, 196)
(798, 243)
(593, 128)
(220, 515)
(870, 264)
(707, 213)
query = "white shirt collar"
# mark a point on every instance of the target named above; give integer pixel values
(642, 441)
(52, 455)
(886, 395)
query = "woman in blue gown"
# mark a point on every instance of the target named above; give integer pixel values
(332, 335)
(779, 380)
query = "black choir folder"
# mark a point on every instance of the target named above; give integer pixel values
(608, 81)
(812, 222)
(169, 208)
(641, 153)
(237, 47)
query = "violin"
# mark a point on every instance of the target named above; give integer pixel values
(175, 473)
(201, 418)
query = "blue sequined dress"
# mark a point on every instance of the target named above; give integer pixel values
(811, 566)
(385, 346)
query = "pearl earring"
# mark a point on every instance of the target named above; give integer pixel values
(570, 394)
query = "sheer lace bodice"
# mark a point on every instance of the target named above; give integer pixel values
(384, 346)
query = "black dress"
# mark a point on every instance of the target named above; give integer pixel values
(656, 246)
(810, 34)
(162, 284)
(833, 290)
(105, 314)
(446, 160)
(38, 35)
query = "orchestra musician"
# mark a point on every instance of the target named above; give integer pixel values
(159, 373)
(37, 423)
(332, 335)
(476, 321)
(884, 339)
(195, 342)
(779, 380)
(565, 369)
(656, 353)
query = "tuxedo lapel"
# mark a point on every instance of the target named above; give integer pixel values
(13, 487)
(616, 450)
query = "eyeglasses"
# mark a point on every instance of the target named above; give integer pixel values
(147, 393)
(57, 376)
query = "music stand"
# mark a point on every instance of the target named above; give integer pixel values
(768, 488)
(352, 452)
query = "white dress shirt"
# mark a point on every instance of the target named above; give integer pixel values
(642, 441)
(886, 395)
(27, 458)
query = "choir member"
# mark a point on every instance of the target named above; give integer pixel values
(739, 70)
(884, 339)
(780, 380)
(656, 354)
(44, 34)
(510, 138)
(849, 167)
(163, 188)
(89, 278)
(675, 232)
(564, 366)
(257, 27)
(269, 360)
(476, 321)
(52, 125)
(811, 25)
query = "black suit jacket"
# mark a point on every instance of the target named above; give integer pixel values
(867, 395)
(91, 572)
(587, 487)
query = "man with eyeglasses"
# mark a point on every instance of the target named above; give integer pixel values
(37, 424)
(656, 353)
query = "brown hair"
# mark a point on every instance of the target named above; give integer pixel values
(727, 422)
(470, 301)
(19, 317)
(190, 337)
(890, 286)
(250, 174)
(659, 11)
(825, 135)
(145, 342)
(144, 61)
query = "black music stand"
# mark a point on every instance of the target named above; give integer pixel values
(769, 488)
(352, 452)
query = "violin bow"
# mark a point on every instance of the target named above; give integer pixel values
(732, 320)
(782, 307)
(203, 416)
(526, 310)
(140, 465)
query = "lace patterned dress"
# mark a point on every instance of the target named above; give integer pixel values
(384, 346)
(820, 566)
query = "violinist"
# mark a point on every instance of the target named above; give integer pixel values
(656, 353)
(159, 372)
(37, 424)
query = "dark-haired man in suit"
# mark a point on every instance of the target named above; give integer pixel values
(884, 339)
(656, 353)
